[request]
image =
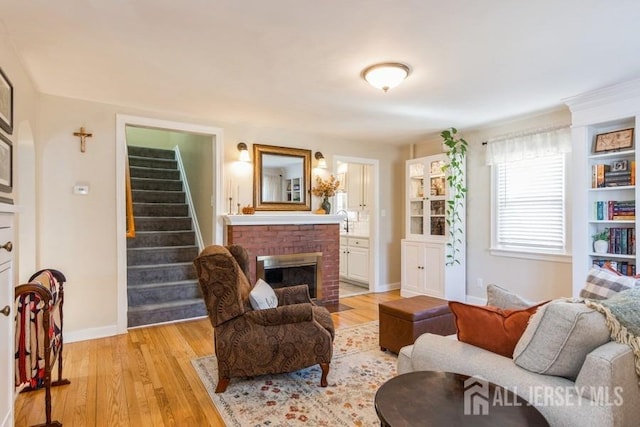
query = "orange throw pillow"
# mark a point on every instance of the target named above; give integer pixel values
(491, 328)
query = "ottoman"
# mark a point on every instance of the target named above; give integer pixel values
(404, 320)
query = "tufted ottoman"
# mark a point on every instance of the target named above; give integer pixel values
(404, 320)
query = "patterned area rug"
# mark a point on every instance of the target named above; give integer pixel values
(358, 369)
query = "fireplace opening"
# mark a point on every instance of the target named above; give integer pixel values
(281, 271)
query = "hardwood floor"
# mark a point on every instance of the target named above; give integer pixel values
(145, 377)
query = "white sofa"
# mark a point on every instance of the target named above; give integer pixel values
(609, 368)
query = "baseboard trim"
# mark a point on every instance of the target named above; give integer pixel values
(387, 287)
(90, 334)
(476, 300)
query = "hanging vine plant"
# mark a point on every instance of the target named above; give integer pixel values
(455, 170)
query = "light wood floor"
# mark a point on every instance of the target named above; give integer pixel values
(145, 377)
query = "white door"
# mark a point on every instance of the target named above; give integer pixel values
(434, 269)
(413, 269)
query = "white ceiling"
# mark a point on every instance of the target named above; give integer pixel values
(296, 64)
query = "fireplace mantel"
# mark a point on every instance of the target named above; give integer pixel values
(282, 218)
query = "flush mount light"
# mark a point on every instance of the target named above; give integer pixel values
(244, 152)
(386, 75)
(322, 162)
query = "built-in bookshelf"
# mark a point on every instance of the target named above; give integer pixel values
(603, 181)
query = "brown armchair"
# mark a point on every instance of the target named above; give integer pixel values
(248, 342)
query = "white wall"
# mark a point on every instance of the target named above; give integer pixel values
(533, 279)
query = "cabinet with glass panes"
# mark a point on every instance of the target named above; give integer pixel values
(426, 198)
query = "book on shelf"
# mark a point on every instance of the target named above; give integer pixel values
(597, 175)
(622, 241)
(615, 210)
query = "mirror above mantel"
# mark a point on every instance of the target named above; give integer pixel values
(281, 178)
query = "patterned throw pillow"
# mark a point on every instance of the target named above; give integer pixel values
(603, 283)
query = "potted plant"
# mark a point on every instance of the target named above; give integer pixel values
(601, 241)
(455, 170)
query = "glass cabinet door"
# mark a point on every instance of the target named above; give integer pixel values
(426, 197)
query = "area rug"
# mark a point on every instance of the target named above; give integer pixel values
(358, 369)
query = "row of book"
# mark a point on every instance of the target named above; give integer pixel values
(619, 174)
(622, 267)
(615, 210)
(622, 241)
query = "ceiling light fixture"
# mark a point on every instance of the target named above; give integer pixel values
(386, 75)
(244, 152)
(322, 162)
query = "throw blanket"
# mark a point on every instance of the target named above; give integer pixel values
(622, 314)
(29, 335)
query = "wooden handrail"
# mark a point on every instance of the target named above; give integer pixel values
(131, 226)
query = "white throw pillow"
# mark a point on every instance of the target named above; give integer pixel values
(262, 296)
(559, 337)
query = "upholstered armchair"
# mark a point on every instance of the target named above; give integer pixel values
(294, 335)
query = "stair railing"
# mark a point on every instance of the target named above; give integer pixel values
(131, 226)
(187, 192)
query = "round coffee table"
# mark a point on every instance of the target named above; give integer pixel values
(425, 398)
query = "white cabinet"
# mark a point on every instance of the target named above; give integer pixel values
(424, 269)
(426, 196)
(6, 322)
(604, 189)
(357, 187)
(424, 272)
(354, 258)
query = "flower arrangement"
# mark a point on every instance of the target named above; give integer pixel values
(325, 188)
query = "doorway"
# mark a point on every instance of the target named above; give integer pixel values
(357, 199)
(122, 122)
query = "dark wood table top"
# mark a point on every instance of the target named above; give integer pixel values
(425, 398)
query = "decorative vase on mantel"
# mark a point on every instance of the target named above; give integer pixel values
(326, 206)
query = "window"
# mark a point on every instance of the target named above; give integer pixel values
(528, 192)
(529, 205)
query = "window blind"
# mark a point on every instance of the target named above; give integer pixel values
(530, 208)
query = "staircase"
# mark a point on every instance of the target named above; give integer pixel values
(161, 279)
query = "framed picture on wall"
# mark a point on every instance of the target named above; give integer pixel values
(6, 103)
(6, 166)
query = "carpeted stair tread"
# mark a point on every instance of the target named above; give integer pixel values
(156, 184)
(161, 255)
(166, 312)
(160, 209)
(142, 172)
(148, 239)
(150, 223)
(160, 273)
(155, 196)
(155, 293)
(159, 153)
(151, 162)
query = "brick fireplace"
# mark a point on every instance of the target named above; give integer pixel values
(284, 234)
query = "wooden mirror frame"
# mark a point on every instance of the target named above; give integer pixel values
(258, 151)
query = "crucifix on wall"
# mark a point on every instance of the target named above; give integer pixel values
(83, 136)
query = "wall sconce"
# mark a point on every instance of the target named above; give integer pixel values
(244, 152)
(322, 163)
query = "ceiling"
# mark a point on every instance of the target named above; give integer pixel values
(296, 64)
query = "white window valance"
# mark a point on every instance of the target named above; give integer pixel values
(529, 145)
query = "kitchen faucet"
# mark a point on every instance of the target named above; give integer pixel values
(346, 218)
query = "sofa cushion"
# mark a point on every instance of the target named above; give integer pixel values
(603, 283)
(490, 328)
(505, 299)
(262, 296)
(559, 337)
